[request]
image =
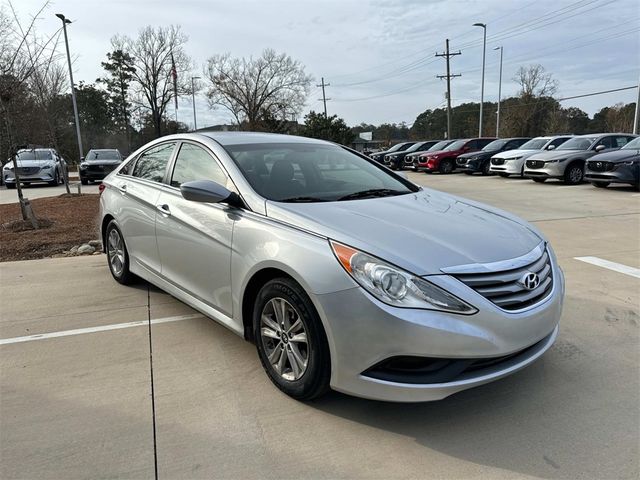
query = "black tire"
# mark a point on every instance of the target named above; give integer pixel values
(446, 166)
(486, 168)
(503, 174)
(11, 186)
(314, 380)
(123, 275)
(539, 180)
(573, 174)
(601, 184)
(56, 179)
(84, 181)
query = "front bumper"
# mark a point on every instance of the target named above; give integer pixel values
(629, 174)
(41, 176)
(549, 170)
(364, 332)
(512, 167)
(469, 166)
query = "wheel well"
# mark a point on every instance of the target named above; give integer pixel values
(103, 230)
(251, 291)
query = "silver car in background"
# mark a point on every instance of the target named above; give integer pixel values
(35, 165)
(344, 274)
(511, 162)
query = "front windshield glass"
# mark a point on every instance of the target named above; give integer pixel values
(457, 145)
(495, 145)
(103, 155)
(395, 148)
(415, 146)
(307, 172)
(577, 143)
(534, 144)
(439, 146)
(35, 155)
(632, 145)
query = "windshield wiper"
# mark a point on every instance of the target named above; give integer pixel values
(373, 192)
(303, 199)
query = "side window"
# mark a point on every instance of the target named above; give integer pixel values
(620, 141)
(152, 164)
(513, 144)
(559, 141)
(483, 142)
(473, 145)
(194, 163)
(606, 141)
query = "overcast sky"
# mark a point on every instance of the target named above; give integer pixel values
(378, 55)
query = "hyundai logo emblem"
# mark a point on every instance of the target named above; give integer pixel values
(530, 281)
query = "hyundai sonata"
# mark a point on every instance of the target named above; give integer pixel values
(343, 273)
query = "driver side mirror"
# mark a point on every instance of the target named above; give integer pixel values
(599, 148)
(551, 147)
(207, 191)
(82, 159)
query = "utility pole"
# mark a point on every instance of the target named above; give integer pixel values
(447, 55)
(484, 50)
(636, 118)
(499, 93)
(193, 99)
(324, 98)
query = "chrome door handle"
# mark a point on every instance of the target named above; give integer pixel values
(164, 209)
(122, 188)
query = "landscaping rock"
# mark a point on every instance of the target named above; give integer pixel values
(73, 250)
(86, 249)
(97, 252)
(96, 244)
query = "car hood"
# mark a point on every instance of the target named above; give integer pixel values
(558, 154)
(480, 154)
(33, 163)
(422, 232)
(616, 155)
(516, 153)
(105, 161)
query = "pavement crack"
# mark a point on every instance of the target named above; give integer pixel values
(153, 394)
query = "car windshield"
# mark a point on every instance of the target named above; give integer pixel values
(534, 144)
(632, 145)
(439, 146)
(308, 172)
(396, 147)
(577, 143)
(415, 146)
(457, 145)
(103, 155)
(495, 145)
(35, 155)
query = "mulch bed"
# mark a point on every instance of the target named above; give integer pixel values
(67, 221)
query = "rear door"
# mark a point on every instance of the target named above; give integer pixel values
(194, 239)
(139, 184)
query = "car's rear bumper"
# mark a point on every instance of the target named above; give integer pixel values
(365, 332)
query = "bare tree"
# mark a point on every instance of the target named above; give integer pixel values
(534, 82)
(155, 53)
(271, 86)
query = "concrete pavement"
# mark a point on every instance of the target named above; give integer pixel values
(38, 190)
(81, 406)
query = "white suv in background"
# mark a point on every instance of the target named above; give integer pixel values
(511, 162)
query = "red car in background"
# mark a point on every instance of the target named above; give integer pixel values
(444, 161)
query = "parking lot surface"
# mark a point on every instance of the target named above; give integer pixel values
(79, 404)
(40, 191)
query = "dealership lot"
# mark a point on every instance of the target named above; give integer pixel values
(41, 191)
(76, 391)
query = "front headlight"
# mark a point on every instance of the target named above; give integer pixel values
(394, 286)
(556, 161)
(8, 167)
(513, 158)
(83, 166)
(46, 166)
(631, 162)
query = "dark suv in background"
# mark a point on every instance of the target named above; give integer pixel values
(481, 161)
(619, 166)
(396, 160)
(98, 164)
(398, 147)
(444, 161)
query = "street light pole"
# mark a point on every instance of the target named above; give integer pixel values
(484, 48)
(193, 98)
(499, 93)
(73, 93)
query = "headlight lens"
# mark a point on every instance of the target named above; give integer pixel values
(8, 166)
(83, 166)
(631, 162)
(394, 286)
(513, 158)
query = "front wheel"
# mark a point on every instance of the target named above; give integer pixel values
(486, 169)
(56, 179)
(446, 166)
(600, 184)
(290, 340)
(117, 255)
(573, 174)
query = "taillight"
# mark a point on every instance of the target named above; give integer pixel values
(101, 187)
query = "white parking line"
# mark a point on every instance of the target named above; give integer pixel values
(102, 328)
(616, 267)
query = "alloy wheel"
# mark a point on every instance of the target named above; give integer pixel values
(575, 175)
(284, 338)
(115, 252)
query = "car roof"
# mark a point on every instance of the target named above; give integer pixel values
(241, 138)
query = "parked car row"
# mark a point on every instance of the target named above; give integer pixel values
(46, 165)
(601, 159)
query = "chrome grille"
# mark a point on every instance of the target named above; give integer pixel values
(28, 170)
(497, 161)
(535, 164)
(597, 166)
(505, 288)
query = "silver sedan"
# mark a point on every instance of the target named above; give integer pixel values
(343, 273)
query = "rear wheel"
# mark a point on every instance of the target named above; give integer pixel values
(573, 174)
(486, 168)
(117, 255)
(446, 166)
(600, 184)
(290, 340)
(539, 180)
